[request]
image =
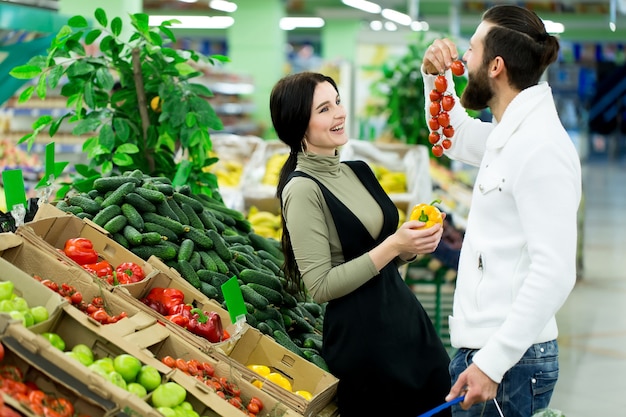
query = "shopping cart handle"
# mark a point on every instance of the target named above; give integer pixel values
(442, 407)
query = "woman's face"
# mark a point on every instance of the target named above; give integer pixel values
(326, 129)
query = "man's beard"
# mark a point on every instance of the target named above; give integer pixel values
(478, 91)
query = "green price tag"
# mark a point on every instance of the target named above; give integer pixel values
(14, 190)
(52, 169)
(234, 299)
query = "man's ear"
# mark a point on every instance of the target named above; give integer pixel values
(496, 67)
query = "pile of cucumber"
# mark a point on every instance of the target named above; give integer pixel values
(207, 243)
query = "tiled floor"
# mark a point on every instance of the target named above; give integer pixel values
(592, 323)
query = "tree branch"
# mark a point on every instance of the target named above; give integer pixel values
(142, 103)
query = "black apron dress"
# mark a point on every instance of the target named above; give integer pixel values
(378, 340)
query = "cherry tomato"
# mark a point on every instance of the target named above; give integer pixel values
(236, 401)
(434, 137)
(257, 401)
(433, 123)
(441, 84)
(457, 68)
(253, 408)
(76, 298)
(437, 150)
(446, 143)
(447, 102)
(435, 108)
(444, 119)
(435, 95)
(100, 315)
(182, 365)
(448, 131)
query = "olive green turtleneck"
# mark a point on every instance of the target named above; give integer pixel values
(313, 233)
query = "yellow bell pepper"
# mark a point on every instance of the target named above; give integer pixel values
(427, 213)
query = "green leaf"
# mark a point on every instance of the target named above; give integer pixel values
(104, 78)
(107, 166)
(88, 95)
(84, 170)
(167, 32)
(197, 137)
(63, 33)
(105, 44)
(42, 121)
(122, 129)
(26, 94)
(87, 125)
(54, 126)
(190, 120)
(107, 138)
(129, 148)
(41, 86)
(200, 90)
(62, 191)
(25, 72)
(101, 16)
(122, 159)
(79, 68)
(40, 61)
(116, 26)
(140, 21)
(220, 58)
(55, 75)
(92, 36)
(155, 38)
(185, 69)
(77, 22)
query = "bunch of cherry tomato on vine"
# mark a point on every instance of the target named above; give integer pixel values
(441, 102)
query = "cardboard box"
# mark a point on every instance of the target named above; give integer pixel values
(55, 227)
(256, 348)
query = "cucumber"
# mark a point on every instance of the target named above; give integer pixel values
(218, 279)
(207, 261)
(163, 231)
(133, 235)
(243, 260)
(253, 297)
(164, 209)
(193, 203)
(119, 238)
(319, 362)
(87, 204)
(162, 251)
(267, 314)
(93, 194)
(133, 216)
(105, 184)
(220, 245)
(116, 224)
(252, 321)
(298, 321)
(209, 290)
(73, 209)
(151, 238)
(306, 314)
(274, 297)
(228, 212)
(186, 249)
(313, 308)
(207, 220)
(313, 343)
(219, 263)
(263, 243)
(166, 222)
(188, 273)
(153, 196)
(117, 197)
(192, 217)
(283, 339)
(276, 325)
(264, 328)
(236, 240)
(166, 189)
(202, 240)
(195, 260)
(84, 215)
(106, 214)
(181, 216)
(141, 204)
(184, 189)
(254, 276)
(266, 255)
(289, 300)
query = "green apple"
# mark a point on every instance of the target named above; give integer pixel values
(29, 320)
(20, 304)
(40, 314)
(185, 410)
(105, 362)
(167, 411)
(80, 357)
(137, 389)
(55, 340)
(128, 366)
(117, 379)
(18, 315)
(6, 290)
(149, 377)
(99, 368)
(7, 305)
(169, 394)
(85, 350)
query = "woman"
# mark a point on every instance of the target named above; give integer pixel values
(343, 246)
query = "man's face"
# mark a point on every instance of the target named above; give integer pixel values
(479, 90)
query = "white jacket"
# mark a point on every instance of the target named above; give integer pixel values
(518, 259)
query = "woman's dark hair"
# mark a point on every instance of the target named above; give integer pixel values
(291, 101)
(520, 38)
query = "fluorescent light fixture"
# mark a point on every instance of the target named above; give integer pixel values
(376, 25)
(366, 6)
(390, 26)
(290, 23)
(612, 26)
(553, 27)
(194, 22)
(420, 26)
(399, 18)
(223, 5)
(188, 1)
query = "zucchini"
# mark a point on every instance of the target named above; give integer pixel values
(254, 276)
(163, 231)
(116, 224)
(133, 216)
(117, 197)
(166, 222)
(106, 214)
(254, 298)
(87, 204)
(133, 235)
(188, 273)
(274, 297)
(141, 204)
(162, 251)
(220, 245)
(199, 238)
(105, 184)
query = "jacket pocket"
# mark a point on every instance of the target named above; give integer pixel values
(490, 183)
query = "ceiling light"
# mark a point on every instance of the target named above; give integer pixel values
(223, 5)
(376, 25)
(390, 26)
(553, 27)
(420, 26)
(394, 16)
(194, 22)
(290, 23)
(188, 1)
(366, 6)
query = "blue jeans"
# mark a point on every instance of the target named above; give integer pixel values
(525, 389)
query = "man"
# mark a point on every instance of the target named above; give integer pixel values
(518, 260)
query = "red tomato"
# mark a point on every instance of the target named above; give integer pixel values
(76, 298)
(257, 401)
(441, 84)
(433, 123)
(448, 131)
(446, 143)
(100, 315)
(434, 137)
(1, 352)
(444, 119)
(457, 68)
(253, 408)
(182, 365)
(435, 95)
(447, 102)
(435, 108)
(437, 150)
(236, 401)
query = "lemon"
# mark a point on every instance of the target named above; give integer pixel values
(155, 104)
(279, 380)
(257, 383)
(260, 369)
(305, 394)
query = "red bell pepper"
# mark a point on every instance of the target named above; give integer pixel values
(164, 300)
(101, 269)
(181, 315)
(207, 325)
(81, 251)
(129, 272)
